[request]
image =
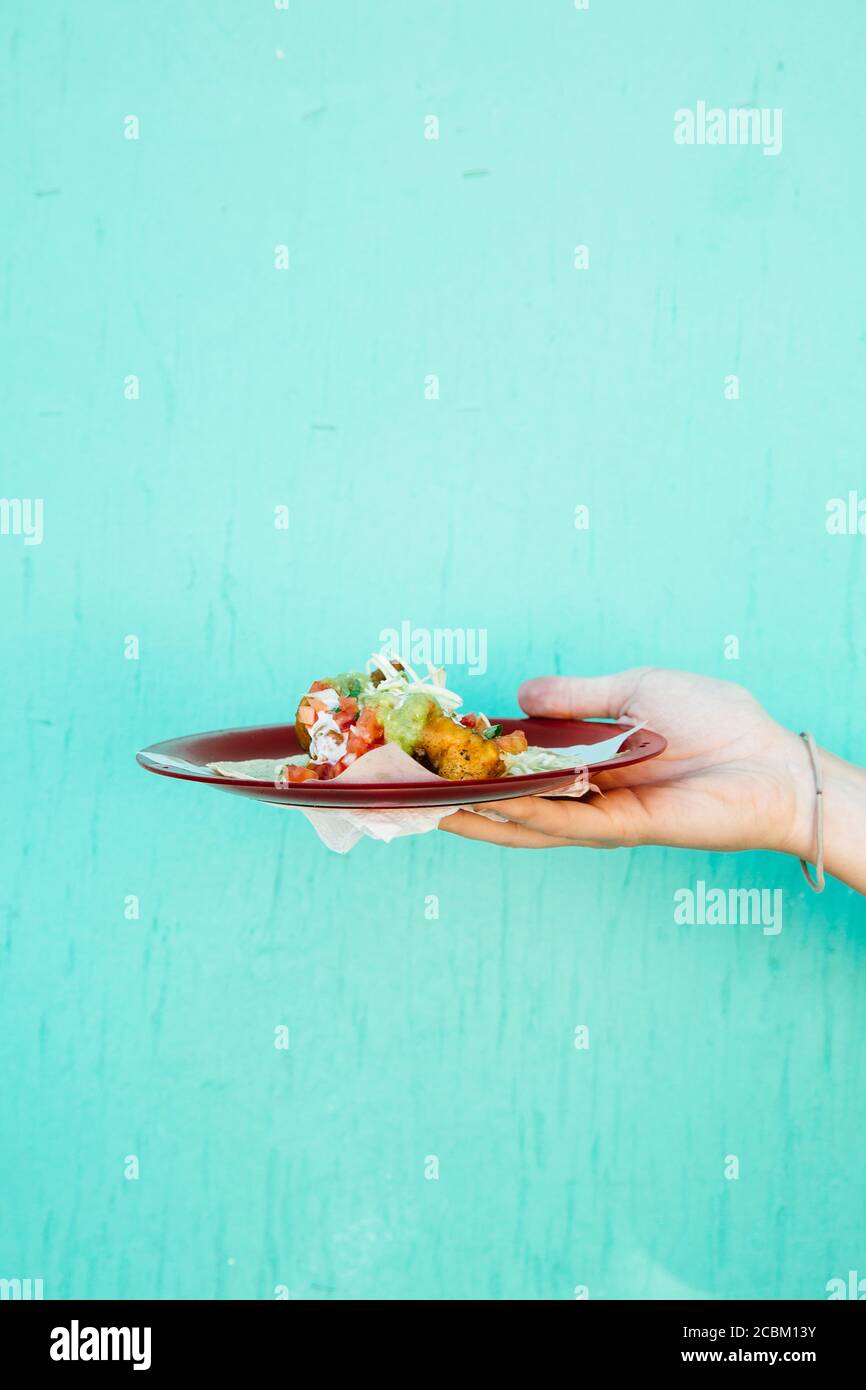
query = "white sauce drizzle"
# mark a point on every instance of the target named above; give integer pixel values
(328, 742)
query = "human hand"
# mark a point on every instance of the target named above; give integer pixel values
(731, 778)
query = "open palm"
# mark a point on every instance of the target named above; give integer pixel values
(730, 778)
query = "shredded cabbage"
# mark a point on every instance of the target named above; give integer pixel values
(407, 682)
(535, 759)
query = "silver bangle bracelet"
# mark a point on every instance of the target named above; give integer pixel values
(818, 882)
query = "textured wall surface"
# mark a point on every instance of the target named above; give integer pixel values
(259, 387)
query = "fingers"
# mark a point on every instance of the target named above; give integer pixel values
(605, 823)
(477, 827)
(578, 697)
(534, 822)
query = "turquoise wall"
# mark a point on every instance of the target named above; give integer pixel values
(304, 388)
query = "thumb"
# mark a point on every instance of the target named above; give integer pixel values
(577, 697)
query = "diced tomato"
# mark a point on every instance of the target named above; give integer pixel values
(320, 685)
(347, 713)
(329, 771)
(356, 747)
(512, 743)
(300, 774)
(306, 713)
(367, 733)
(369, 727)
(470, 720)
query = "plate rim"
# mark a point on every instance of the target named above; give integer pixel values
(315, 789)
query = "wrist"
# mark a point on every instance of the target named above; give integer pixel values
(797, 830)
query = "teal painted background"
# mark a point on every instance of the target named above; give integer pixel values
(304, 388)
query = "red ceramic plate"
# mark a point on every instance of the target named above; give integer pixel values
(279, 741)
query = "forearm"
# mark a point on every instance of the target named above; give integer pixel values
(844, 820)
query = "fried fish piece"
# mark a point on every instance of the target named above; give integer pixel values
(303, 732)
(456, 752)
